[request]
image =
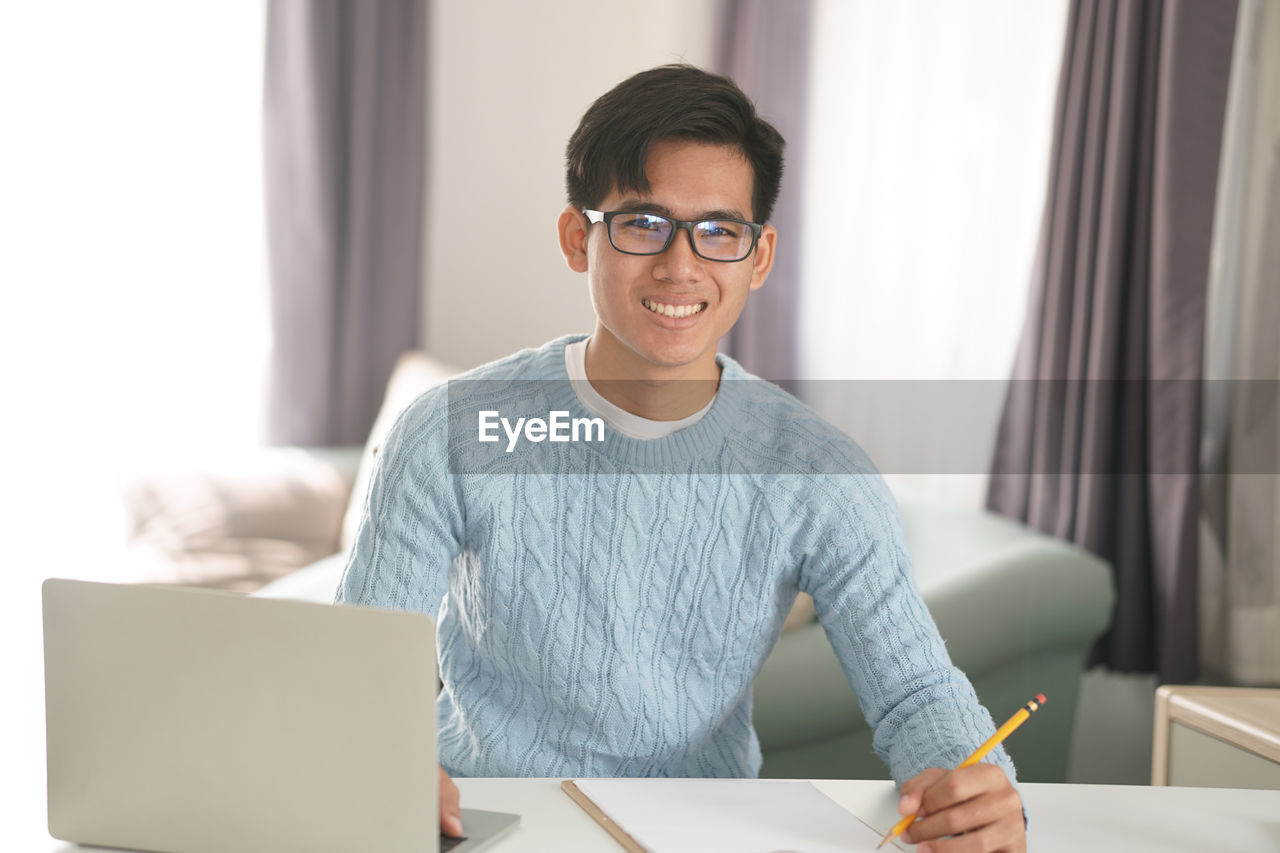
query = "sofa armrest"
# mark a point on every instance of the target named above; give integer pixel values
(1018, 611)
(1037, 594)
(237, 523)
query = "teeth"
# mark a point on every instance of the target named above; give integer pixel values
(673, 311)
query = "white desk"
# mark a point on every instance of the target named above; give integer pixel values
(1063, 817)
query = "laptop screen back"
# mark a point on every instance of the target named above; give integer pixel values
(191, 720)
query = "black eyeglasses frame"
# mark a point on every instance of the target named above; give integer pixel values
(595, 216)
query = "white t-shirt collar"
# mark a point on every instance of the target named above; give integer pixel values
(619, 419)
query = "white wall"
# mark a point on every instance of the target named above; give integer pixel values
(508, 82)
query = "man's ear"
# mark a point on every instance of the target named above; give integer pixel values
(572, 227)
(763, 260)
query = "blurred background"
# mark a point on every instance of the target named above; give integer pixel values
(223, 224)
(138, 322)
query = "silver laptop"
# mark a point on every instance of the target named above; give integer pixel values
(194, 721)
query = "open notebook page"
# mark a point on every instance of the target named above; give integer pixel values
(730, 815)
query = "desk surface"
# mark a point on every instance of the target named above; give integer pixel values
(1063, 817)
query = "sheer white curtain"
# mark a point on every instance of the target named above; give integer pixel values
(134, 324)
(928, 150)
(1240, 516)
(131, 283)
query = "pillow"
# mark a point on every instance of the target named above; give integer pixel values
(414, 373)
(233, 524)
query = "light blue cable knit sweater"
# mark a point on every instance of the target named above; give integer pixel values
(602, 608)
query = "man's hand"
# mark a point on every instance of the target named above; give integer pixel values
(450, 806)
(978, 801)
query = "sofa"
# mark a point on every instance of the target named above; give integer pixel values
(1017, 609)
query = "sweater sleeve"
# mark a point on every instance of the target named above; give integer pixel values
(923, 710)
(412, 525)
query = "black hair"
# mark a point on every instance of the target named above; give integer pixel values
(611, 143)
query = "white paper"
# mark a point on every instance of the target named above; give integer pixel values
(729, 815)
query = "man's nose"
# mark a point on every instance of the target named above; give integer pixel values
(679, 262)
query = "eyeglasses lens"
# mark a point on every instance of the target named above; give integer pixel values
(639, 233)
(645, 234)
(722, 239)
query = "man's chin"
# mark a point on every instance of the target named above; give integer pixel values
(650, 356)
(677, 360)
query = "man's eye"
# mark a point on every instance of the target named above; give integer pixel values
(643, 223)
(719, 230)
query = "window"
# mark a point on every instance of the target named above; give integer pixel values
(928, 153)
(135, 322)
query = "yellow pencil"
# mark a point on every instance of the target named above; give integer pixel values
(978, 754)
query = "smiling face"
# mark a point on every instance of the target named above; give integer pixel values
(661, 316)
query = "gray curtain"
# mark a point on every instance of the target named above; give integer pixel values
(344, 156)
(1098, 442)
(764, 46)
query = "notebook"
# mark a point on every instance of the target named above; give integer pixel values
(727, 815)
(197, 721)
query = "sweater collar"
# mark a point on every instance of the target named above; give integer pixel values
(701, 443)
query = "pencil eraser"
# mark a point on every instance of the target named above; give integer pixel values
(1040, 698)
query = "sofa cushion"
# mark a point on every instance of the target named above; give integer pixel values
(232, 524)
(316, 583)
(414, 373)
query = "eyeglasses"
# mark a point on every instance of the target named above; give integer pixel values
(723, 240)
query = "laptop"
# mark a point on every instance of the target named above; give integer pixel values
(194, 721)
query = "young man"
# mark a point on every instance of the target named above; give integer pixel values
(603, 606)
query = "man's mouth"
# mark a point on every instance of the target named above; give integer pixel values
(675, 311)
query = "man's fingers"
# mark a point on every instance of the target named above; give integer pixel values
(913, 789)
(450, 806)
(1005, 835)
(968, 816)
(451, 825)
(1002, 836)
(961, 785)
(974, 808)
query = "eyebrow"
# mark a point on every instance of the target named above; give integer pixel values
(634, 205)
